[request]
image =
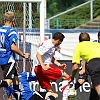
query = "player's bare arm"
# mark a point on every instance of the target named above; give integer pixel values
(39, 57)
(64, 66)
(83, 67)
(16, 50)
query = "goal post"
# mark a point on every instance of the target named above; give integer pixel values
(42, 13)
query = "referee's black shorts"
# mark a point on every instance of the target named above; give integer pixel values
(94, 70)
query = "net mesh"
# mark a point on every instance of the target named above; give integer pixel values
(32, 31)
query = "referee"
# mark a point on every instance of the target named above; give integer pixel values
(90, 52)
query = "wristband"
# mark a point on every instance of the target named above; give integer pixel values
(23, 56)
(58, 64)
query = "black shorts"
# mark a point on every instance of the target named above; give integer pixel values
(94, 70)
(9, 71)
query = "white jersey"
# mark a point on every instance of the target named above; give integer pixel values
(58, 55)
(47, 50)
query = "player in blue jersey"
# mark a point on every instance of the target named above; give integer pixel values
(26, 92)
(8, 49)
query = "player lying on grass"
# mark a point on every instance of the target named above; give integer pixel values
(26, 92)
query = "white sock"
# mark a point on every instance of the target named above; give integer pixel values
(65, 88)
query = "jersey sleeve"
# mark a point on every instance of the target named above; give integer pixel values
(76, 55)
(43, 48)
(12, 37)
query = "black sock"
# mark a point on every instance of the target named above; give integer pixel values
(52, 97)
(77, 85)
(3, 84)
(17, 93)
(16, 87)
(93, 95)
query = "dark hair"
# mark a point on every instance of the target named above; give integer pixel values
(84, 37)
(98, 33)
(58, 36)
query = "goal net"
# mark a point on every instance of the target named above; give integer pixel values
(27, 23)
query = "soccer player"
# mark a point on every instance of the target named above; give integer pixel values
(26, 92)
(44, 69)
(8, 49)
(91, 54)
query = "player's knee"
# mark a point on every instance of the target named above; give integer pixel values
(98, 94)
(51, 95)
(9, 81)
(97, 90)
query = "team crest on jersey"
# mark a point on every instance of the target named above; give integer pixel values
(12, 76)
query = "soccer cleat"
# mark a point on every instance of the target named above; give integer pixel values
(72, 93)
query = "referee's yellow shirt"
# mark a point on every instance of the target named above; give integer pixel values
(86, 50)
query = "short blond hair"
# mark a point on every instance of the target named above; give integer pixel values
(9, 16)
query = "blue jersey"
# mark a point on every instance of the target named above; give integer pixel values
(95, 41)
(24, 85)
(7, 37)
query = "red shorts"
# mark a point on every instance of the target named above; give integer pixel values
(44, 76)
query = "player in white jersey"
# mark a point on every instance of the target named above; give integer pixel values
(8, 49)
(44, 61)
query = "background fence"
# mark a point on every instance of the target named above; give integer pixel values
(29, 40)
